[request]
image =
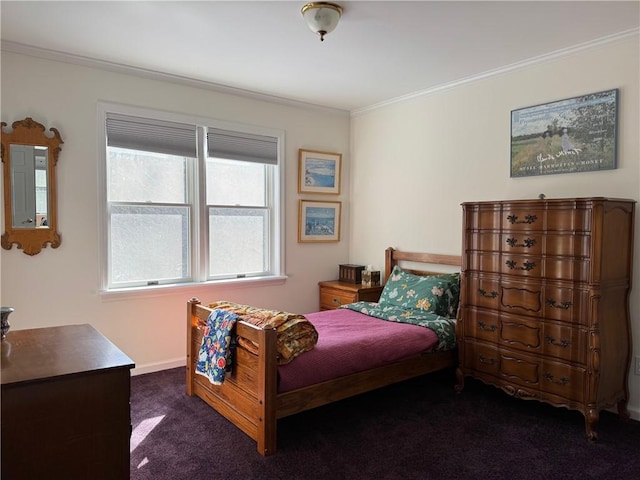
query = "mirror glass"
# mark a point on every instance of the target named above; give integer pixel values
(29, 167)
(29, 157)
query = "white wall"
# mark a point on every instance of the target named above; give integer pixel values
(414, 162)
(60, 286)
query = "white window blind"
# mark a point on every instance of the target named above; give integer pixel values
(242, 146)
(151, 135)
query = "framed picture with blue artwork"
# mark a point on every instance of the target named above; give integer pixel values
(319, 172)
(319, 221)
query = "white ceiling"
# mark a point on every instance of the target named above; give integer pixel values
(381, 50)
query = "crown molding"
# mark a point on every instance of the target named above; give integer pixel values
(500, 71)
(54, 55)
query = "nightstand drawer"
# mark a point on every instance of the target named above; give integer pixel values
(334, 293)
(330, 299)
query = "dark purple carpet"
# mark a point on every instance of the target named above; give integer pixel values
(418, 429)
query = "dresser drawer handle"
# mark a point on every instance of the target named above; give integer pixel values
(526, 266)
(526, 243)
(488, 361)
(483, 293)
(549, 378)
(483, 326)
(528, 219)
(564, 343)
(519, 393)
(336, 301)
(563, 305)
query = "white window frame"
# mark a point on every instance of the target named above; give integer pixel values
(199, 220)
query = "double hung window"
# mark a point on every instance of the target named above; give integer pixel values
(189, 200)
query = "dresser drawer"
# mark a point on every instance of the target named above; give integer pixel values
(560, 341)
(530, 243)
(531, 266)
(480, 357)
(546, 217)
(532, 216)
(535, 299)
(505, 217)
(529, 371)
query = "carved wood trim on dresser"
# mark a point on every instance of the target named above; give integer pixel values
(544, 308)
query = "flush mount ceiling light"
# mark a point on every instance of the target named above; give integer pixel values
(321, 17)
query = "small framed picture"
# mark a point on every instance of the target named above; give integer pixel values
(319, 221)
(319, 172)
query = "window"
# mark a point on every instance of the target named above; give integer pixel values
(188, 200)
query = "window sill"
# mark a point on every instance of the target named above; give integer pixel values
(193, 289)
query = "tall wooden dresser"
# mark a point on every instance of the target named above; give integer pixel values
(545, 301)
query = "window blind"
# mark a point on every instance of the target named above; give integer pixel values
(242, 146)
(150, 135)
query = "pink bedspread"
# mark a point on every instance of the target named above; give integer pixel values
(351, 342)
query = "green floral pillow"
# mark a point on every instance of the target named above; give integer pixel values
(438, 294)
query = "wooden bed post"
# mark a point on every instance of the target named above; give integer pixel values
(267, 393)
(190, 324)
(388, 263)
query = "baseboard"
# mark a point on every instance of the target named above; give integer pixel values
(635, 414)
(156, 367)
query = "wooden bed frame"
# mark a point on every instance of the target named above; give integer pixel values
(248, 397)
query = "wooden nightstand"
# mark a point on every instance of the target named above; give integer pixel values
(334, 293)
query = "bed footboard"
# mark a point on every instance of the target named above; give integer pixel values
(247, 398)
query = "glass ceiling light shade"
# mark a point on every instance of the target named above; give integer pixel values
(321, 17)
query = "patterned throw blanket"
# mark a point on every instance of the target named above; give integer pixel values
(294, 333)
(443, 327)
(214, 357)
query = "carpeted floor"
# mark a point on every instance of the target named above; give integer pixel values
(419, 429)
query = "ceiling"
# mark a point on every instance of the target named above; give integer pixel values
(381, 51)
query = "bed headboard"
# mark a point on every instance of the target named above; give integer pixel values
(392, 257)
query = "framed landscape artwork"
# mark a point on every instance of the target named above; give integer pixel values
(578, 134)
(319, 172)
(319, 221)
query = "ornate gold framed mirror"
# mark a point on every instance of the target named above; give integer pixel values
(29, 158)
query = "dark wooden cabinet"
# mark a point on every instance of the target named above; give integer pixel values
(65, 405)
(334, 293)
(545, 301)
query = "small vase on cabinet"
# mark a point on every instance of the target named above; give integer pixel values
(5, 311)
